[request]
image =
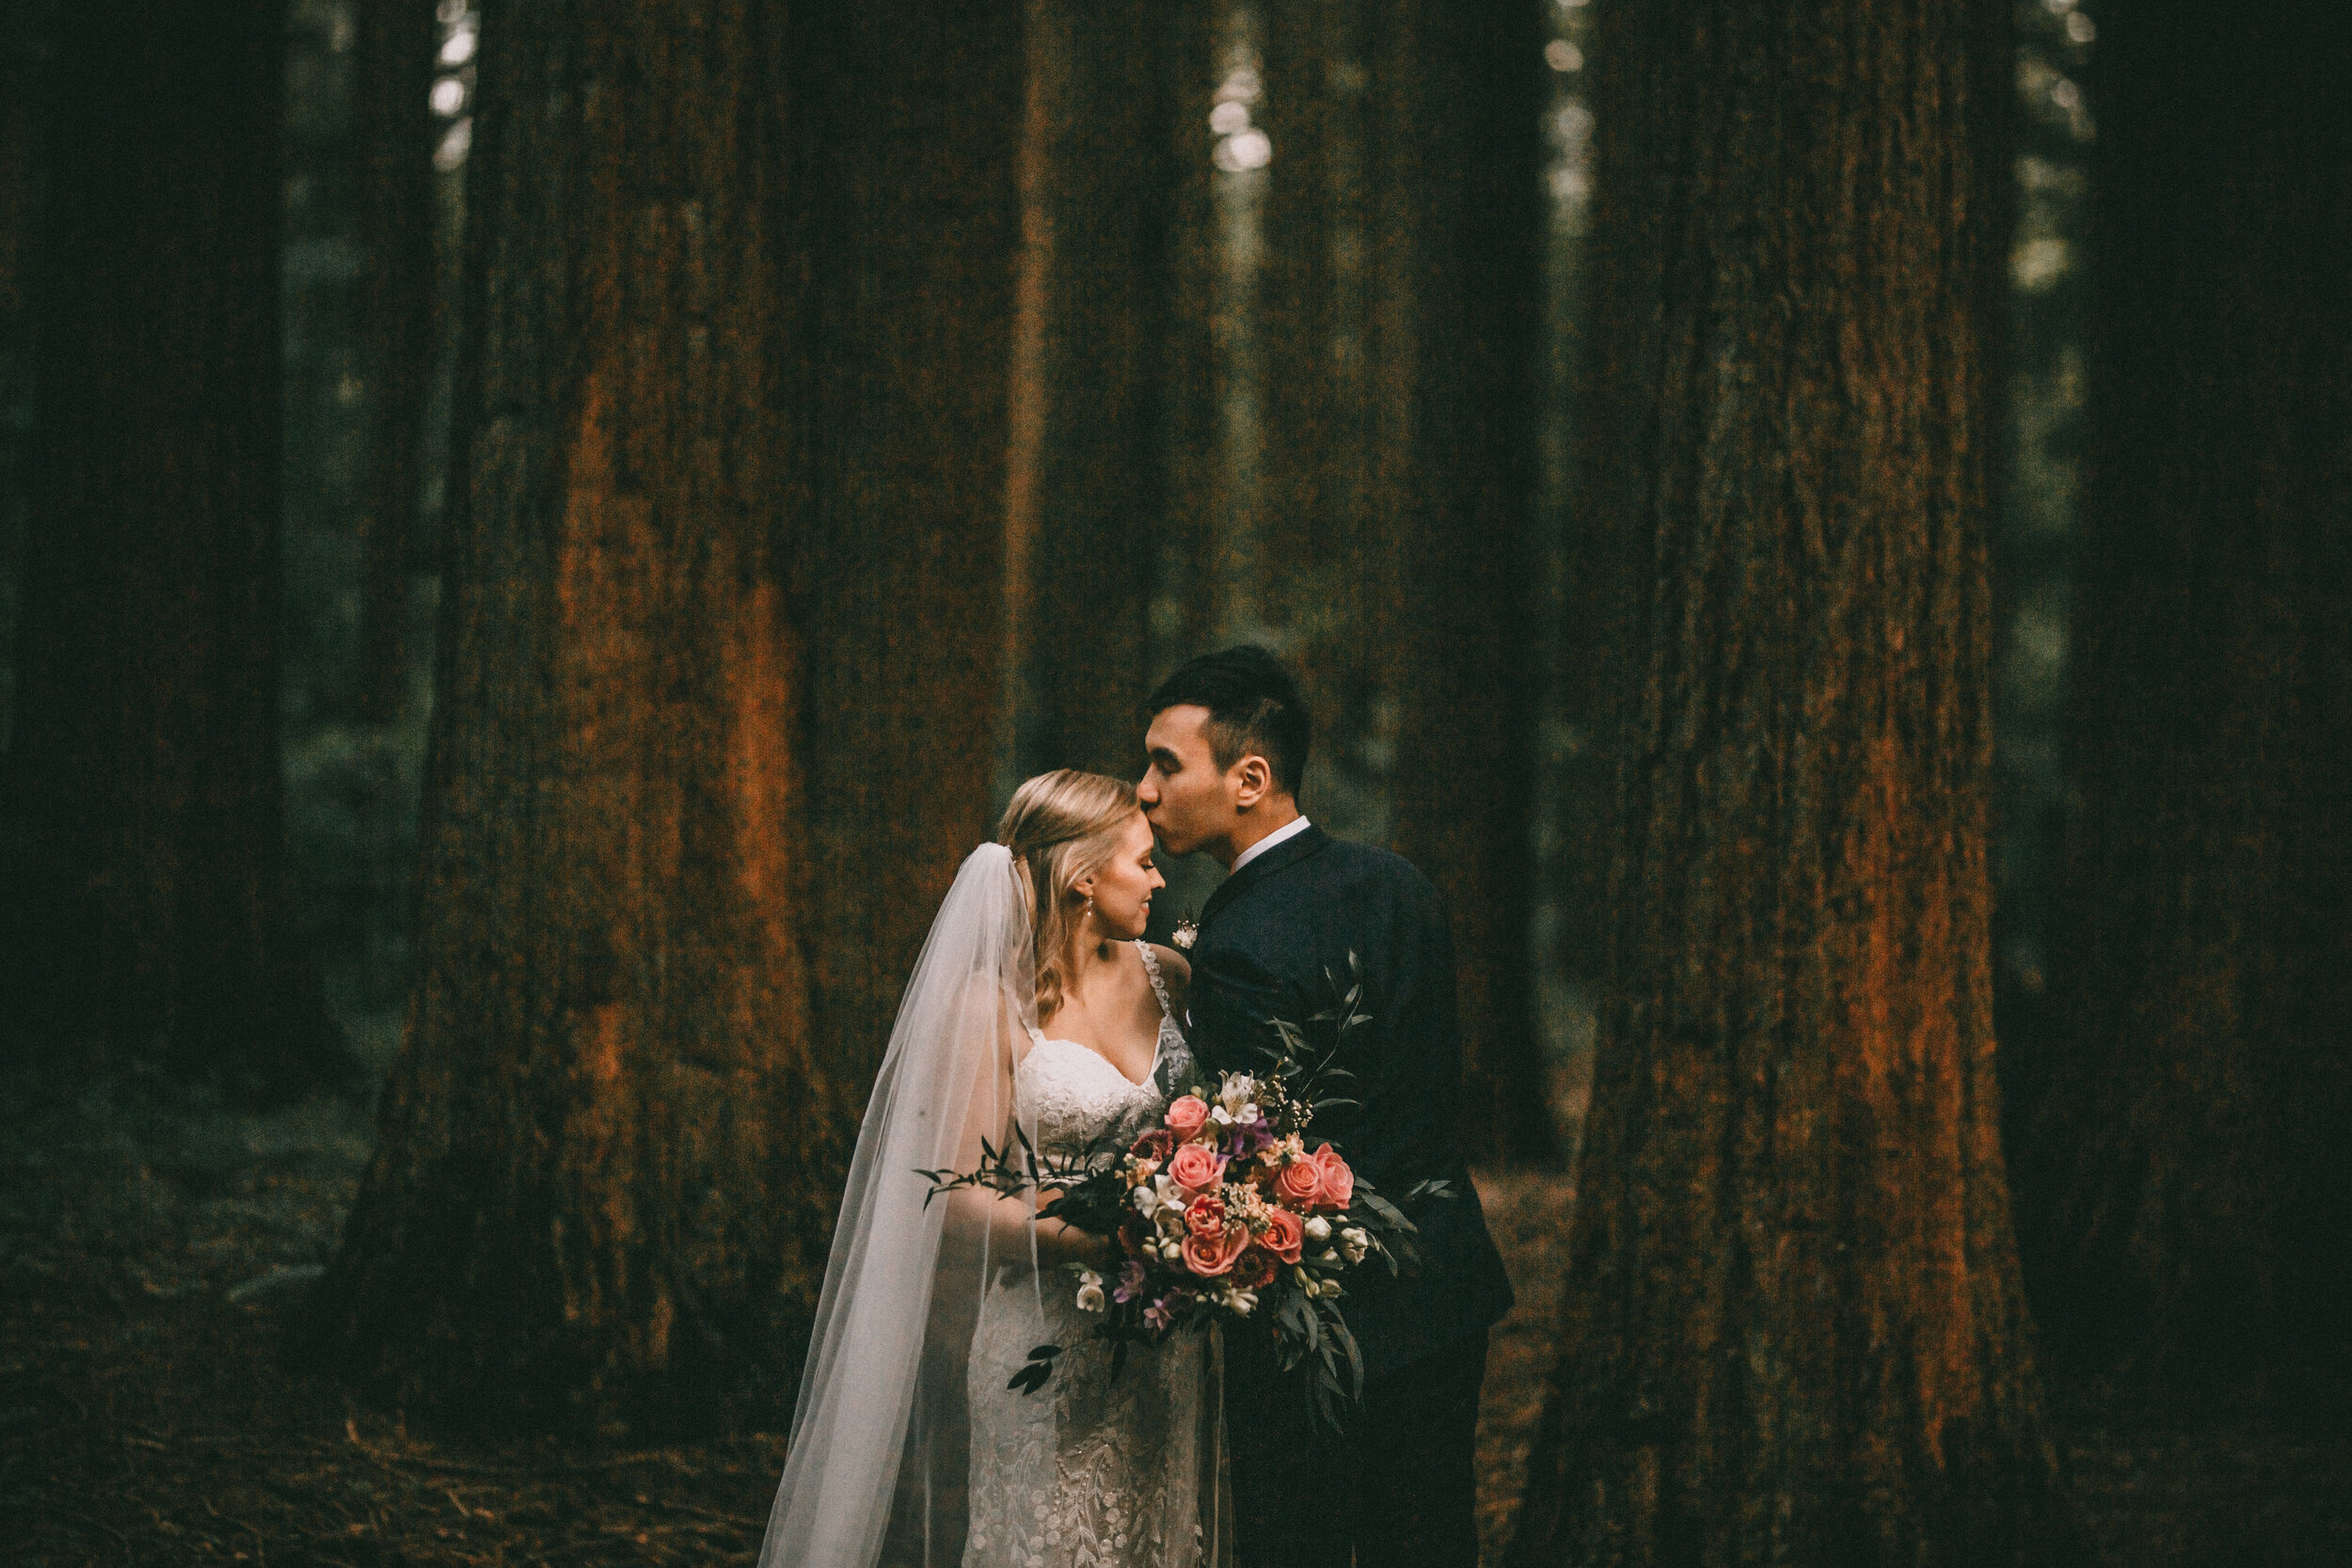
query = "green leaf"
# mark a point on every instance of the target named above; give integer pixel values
(1355, 1357)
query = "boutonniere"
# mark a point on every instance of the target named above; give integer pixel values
(1187, 934)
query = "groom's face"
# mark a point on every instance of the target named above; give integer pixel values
(1187, 799)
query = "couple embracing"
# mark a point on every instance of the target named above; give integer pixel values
(1037, 1012)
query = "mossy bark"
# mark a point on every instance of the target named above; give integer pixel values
(1794, 1329)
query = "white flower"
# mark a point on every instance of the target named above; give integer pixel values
(1318, 1228)
(1171, 1252)
(1328, 1255)
(1167, 1205)
(1187, 934)
(1089, 1292)
(1238, 1300)
(1237, 1103)
(1147, 1201)
(1355, 1241)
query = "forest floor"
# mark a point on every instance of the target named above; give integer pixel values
(150, 1252)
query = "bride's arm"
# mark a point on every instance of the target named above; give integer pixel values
(1007, 1224)
(980, 1217)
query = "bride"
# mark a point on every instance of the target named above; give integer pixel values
(1035, 1003)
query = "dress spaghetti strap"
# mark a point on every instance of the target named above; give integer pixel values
(1151, 966)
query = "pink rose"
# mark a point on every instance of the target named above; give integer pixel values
(1154, 1146)
(1297, 1184)
(1197, 1167)
(1206, 1218)
(1210, 1256)
(1338, 1182)
(1186, 1115)
(1285, 1235)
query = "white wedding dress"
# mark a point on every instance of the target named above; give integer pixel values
(1092, 1470)
(907, 1450)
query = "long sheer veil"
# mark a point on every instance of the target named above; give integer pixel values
(874, 1472)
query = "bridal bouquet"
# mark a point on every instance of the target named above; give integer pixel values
(1225, 1215)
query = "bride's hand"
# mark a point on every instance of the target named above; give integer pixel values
(1100, 1252)
(1069, 1243)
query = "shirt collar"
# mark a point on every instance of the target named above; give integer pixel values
(1287, 831)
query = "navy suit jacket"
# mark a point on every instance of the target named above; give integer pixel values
(1266, 937)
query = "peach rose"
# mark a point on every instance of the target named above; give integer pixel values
(1285, 1235)
(1206, 1218)
(1197, 1167)
(1211, 1255)
(1338, 1182)
(1186, 1115)
(1296, 1184)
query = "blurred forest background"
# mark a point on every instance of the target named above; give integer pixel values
(765, 439)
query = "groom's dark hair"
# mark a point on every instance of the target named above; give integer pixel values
(1254, 706)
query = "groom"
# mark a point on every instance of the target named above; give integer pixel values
(1226, 748)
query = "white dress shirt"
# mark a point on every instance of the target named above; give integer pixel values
(1287, 831)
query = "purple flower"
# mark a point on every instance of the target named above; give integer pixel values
(1242, 1142)
(1130, 1283)
(1161, 1315)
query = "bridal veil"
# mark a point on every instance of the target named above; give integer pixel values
(876, 1466)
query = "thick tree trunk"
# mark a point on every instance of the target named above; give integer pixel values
(1793, 1330)
(716, 697)
(1458, 92)
(23, 59)
(1089, 461)
(904, 158)
(393, 79)
(142, 794)
(2186, 1158)
(1400, 325)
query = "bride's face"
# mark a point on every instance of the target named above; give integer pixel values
(1123, 889)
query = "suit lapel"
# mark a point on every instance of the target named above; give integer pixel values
(1289, 852)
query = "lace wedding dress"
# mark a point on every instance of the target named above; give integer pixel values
(1090, 1471)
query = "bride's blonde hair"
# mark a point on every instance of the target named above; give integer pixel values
(1061, 825)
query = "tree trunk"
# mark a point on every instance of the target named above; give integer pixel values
(1793, 1329)
(394, 80)
(1458, 92)
(1089, 461)
(715, 704)
(23, 58)
(142, 792)
(905, 160)
(2186, 1159)
(1401, 324)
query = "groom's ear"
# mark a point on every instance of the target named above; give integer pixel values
(1253, 781)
